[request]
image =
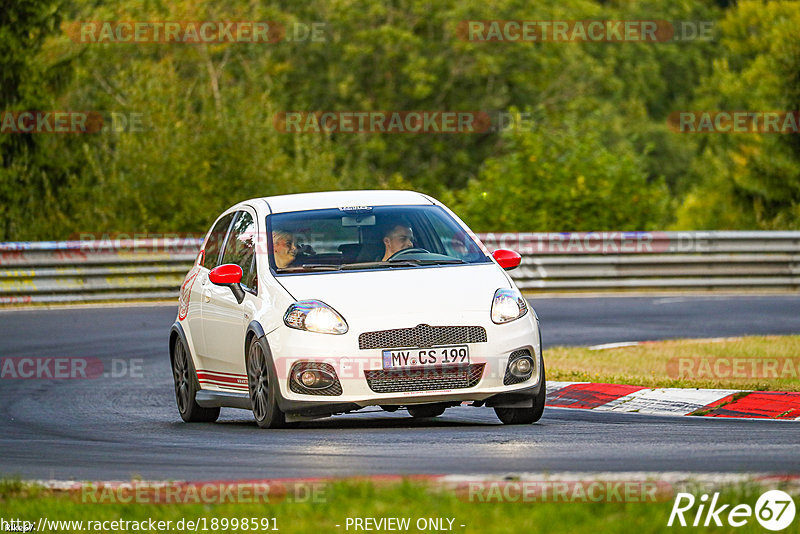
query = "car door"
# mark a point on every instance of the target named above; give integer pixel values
(224, 319)
(212, 251)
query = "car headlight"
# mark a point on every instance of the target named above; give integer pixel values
(314, 316)
(507, 306)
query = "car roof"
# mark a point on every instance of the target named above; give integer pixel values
(336, 199)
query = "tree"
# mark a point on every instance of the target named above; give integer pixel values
(29, 178)
(750, 180)
(563, 177)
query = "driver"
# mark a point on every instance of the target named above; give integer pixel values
(284, 248)
(396, 238)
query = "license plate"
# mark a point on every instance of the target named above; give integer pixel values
(432, 357)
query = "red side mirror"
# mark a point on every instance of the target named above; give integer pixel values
(507, 259)
(225, 275)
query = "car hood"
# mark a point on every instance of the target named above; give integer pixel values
(431, 295)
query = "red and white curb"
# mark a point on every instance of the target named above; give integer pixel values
(675, 401)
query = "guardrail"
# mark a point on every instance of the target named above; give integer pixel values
(654, 260)
(146, 269)
(85, 271)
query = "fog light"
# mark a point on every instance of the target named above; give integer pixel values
(521, 367)
(314, 378)
(309, 379)
(308, 376)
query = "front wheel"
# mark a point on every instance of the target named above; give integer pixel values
(186, 386)
(526, 416)
(263, 388)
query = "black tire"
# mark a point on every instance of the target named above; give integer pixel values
(426, 410)
(263, 388)
(526, 416)
(186, 386)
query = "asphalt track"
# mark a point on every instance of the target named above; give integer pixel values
(116, 428)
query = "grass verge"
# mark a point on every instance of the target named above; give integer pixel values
(341, 500)
(759, 363)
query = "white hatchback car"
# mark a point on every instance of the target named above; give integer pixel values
(308, 305)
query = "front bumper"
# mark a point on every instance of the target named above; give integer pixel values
(352, 364)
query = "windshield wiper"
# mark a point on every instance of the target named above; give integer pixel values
(310, 267)
(437, 262)
(367, 265)
(372, 264)
(400, 263)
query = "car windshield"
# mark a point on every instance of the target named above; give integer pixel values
(381, 237)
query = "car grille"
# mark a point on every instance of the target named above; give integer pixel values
(422, 335)
(509, 379)
(425, 379)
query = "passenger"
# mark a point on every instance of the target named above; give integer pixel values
(284, 248)
(396, 238)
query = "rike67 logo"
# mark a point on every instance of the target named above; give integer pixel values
(774, 510)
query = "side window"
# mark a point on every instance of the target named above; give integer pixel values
(240, 248)
(452, 240)
(215, 239)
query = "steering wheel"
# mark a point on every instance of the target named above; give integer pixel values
(407, 251)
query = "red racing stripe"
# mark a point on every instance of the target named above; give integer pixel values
(223, 380)
(234, 379)
(220, 373)
(589, 396)
(228, 386)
